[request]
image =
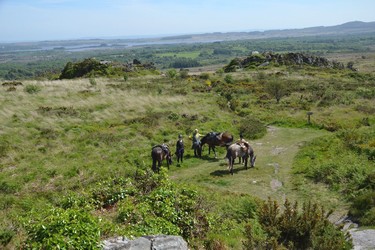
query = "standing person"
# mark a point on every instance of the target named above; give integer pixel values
(180, 149)
(196, 142)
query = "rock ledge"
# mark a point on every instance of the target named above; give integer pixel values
(154, 242)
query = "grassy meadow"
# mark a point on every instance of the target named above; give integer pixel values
(75, 144)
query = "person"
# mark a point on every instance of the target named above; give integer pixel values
(242, 142)
(196, 137)
(180, 149)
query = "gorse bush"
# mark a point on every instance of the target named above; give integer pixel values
(252, 128)
(146, 204)
(163, 208)
(80, 69)
(363, 208)
(6, 236)
(58, 228)
(290, 229)
(32, 88)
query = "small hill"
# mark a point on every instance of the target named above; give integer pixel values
(349, 28)
(289, 59)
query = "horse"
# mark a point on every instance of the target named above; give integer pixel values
(241, 150)
(213, 139)
(158, 154)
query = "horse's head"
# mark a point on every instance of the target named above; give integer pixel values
(250, 152)
(252, 160)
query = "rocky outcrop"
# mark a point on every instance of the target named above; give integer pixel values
(156, 242)
(289, 59)
(363, 239)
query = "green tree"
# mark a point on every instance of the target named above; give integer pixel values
(172, 73)
(276, 88)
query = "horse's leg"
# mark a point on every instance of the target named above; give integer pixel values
(213, 149)
(229, 163)
(233, 163)
(159, 165)
(154, 165)
(245, 160)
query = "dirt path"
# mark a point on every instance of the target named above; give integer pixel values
(271, 176)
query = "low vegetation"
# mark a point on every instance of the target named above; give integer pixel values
(76, 154)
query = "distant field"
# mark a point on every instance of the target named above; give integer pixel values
(192, 55)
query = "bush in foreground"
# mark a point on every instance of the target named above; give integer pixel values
(290, 229)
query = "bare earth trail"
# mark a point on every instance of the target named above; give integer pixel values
(271, 177)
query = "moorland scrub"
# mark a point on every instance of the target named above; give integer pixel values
(75, 153)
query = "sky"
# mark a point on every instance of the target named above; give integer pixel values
(40, 20)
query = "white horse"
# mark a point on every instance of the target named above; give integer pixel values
(243, 151)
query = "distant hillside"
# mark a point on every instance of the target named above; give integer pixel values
(350, 28)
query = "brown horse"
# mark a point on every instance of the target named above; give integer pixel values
(158, 154)
(213, 139)
(241, 150)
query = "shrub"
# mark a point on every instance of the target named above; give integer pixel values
(233, 65)
(172, 73)
(276, 88)
(32, 89)
(362, 208)
(289, 229)
(328, 98)
(84, 68)
(365, 92)
(252, 128)
(228, 78)
(6, 236)
(184, 73)
(62, 229)
(126, 77)
(204, 76)
(92, 82)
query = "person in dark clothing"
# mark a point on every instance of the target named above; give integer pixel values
(180, 149)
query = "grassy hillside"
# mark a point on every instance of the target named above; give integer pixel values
(84, 145)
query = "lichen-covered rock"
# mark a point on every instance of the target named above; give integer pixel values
(156, 242)
(289, 59)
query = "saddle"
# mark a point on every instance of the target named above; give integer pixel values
(163, 146)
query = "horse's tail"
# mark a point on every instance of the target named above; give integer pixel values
(229, 154)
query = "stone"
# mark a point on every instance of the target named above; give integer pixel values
(154, 242)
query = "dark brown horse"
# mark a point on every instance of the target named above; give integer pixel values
(158, 154)
(213, 139)
(240, 150)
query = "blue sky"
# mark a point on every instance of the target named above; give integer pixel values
(36, 20)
